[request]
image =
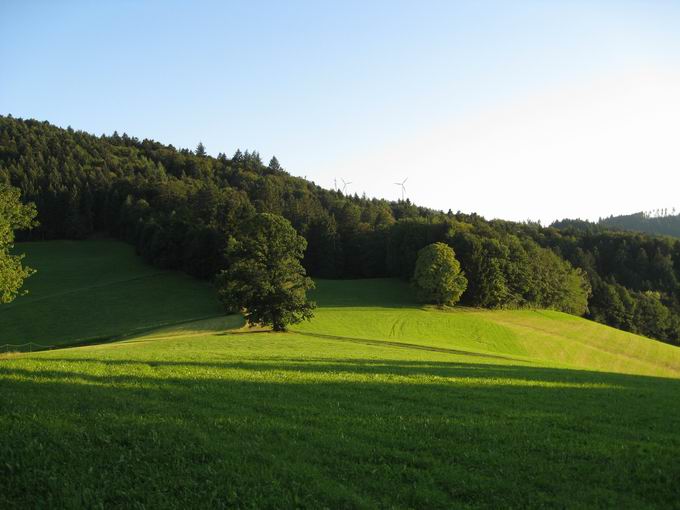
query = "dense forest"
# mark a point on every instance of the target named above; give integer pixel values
(663, 222)
(182, 209)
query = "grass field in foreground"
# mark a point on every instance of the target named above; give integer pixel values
(94, 290)
(366, 406)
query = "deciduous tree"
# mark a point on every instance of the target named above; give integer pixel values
(13, 215)
(437, 277)
(265, 279)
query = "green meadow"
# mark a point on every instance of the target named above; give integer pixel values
(87, 291)
(375, 403)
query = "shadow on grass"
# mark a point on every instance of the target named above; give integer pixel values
(359, 366)
(210, 324)
(319, 433)
(403, 345)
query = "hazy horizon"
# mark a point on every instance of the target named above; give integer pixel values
(517, 111)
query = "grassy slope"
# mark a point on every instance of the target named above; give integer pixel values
(96, 290)
(366, 406)
(385, 312)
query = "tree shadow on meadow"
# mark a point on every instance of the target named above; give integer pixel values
(400, 345)
(210, 370)
(123, 428)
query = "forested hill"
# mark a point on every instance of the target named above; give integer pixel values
(182, 209)
(657, 223)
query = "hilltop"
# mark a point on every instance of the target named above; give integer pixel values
(657, 223)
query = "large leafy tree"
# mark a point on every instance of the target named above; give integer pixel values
(13, 215)
(437, 277)
(265, 279)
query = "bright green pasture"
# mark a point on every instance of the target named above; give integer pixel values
(541, 337)
(94, 290)
(375, 403)
(263, 420)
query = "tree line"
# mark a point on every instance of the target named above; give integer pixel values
(186, 210)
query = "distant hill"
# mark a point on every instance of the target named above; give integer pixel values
(664, 224)
(643, 222)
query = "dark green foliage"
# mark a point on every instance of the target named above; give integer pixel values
(479, 257)
(556, 283)
(323, 257)
(183, 209)
(437, 277)
(407, 237)
(13, 215)
(505, 272)
(200, 150)
(607, 305)
(651, 316)
(627, 271)
(265, 279)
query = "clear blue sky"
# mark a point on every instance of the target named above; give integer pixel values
(510, 109)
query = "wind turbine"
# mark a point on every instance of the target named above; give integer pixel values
(403, 188)
(344, 185)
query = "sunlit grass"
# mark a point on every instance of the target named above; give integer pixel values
(542, 336)
(262, 419)
(383, 404)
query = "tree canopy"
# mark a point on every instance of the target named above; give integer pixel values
(265, 280)
(437, 277)
(13, 215)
